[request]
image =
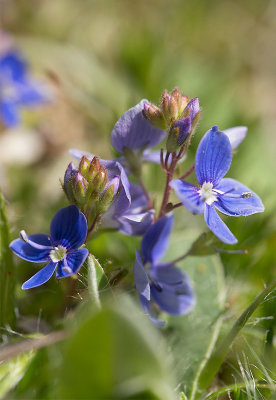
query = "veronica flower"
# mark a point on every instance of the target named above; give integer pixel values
(17, 89)
(132, 131)
(162, 284)
(135, 220)
(212, 162)
(61, 249)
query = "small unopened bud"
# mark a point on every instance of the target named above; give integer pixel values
(192, 108)
(98, 184)
(174, 105)
(180, 99)
(80, 186)
(94, 168)
(67, 185)
(165, 105)
(154, 115)
(108, 195)
(84, 166)
(178, 134)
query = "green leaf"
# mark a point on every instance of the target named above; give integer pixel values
(95, 276)
(193, 336)
(115, 354)
(214, 362)
(11, 372)
(7, 273)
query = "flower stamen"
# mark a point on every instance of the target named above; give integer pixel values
(58, 253)
(207, 194)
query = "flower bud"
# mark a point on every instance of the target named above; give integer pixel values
(97, 185)
(180, 99)
(173, 105)
(178, 134)
(108, 195)
(154, 115)
(94, 168)
(67, 184)
(79, 186)
(84, 166)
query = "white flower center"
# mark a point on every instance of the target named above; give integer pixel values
(207, 194)
(58, 253)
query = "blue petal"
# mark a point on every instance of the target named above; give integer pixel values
(9, 113)
(41, 276)
(156, 239)
(123, 200)
(68, 228)
(193, 106)
(151, 156)
(31, 93)
(13, 65)
(188, 195)
(135, 224)
(133, 131)
(151, 314)
(74, 261)
(29, 253)
(213, 157)
(217, 226)
(236, 202)
(236, 135)
(141, 278)
(171, 290)
(168, 274)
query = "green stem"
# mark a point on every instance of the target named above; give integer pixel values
(7, 272)
(241, 385)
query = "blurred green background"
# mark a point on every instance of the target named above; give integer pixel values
(101, 58)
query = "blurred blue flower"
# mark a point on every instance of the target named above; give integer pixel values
(68, 232)
(158, 283)
(212, 162)
(17, 89)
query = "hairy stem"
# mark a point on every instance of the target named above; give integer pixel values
(167, 190)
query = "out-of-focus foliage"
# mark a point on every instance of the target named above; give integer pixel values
(100, 58)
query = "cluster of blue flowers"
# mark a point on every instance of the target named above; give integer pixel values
(111, 194)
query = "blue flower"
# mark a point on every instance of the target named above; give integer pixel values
(162, 284)
(134, 132)
(61, 249)
(16, 88)
(212, 162)
(135, 220)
